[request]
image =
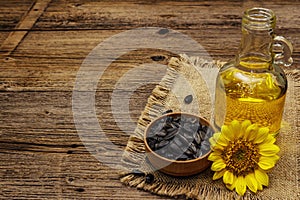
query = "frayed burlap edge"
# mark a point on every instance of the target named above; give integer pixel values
(187, 187)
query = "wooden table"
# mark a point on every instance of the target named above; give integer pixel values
(42, 46)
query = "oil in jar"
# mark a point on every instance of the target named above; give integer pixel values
(244, 95)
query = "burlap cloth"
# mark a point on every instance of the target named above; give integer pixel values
(183, 78)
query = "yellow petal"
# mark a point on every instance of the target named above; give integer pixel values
(228, 177)
(266, 165)
(244, 127)
(236, 128)
(217, 147)
(268, 149)
(232, 186)
(212, 142)
(222, 140)
(240, 185)
(259, 186)
(218, 174)
(251, 132)
(251, 182)
(218, 165)
(276, 158)
(262, 134)
(261, 177)
(216, 135)
(227, 133)
(214, 156)
(270, 139)
(267, 162)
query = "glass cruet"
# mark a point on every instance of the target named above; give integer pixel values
(253, 86)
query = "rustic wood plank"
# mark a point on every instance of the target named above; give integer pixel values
(20, 73)
(3, 36)
(78, 44)
(203, 21)
(131, 14)
(28, 20)
(49, 115)
(123, 15)
(61, 176)
(12, 12)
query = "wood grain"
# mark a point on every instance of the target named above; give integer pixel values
(12, 12)
(43, 44)
(26, 23)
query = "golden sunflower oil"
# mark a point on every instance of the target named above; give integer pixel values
(253, 86)
(243, 95)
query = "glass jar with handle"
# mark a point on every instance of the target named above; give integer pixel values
(253, 86)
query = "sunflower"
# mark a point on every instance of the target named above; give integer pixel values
(242, 153)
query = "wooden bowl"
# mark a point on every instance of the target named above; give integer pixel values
(172, 166)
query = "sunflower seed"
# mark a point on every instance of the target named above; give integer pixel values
(171, 135)
(161, 133)
(151, 142)
(167, 111)
(188, 99)
(198, 139)
(161, 144)
(179, 137)
(193, 148)
(149, 178)
(188, 152)
(137, 172)
(201, 134)
(158, 58)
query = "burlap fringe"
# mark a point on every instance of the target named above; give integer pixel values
(135, 153)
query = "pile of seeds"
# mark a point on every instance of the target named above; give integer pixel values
(179, 137)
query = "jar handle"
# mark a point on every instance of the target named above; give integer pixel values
(283, 50)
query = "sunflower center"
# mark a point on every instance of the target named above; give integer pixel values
(241, 157)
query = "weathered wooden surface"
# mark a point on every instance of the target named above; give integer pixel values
(42, 45)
